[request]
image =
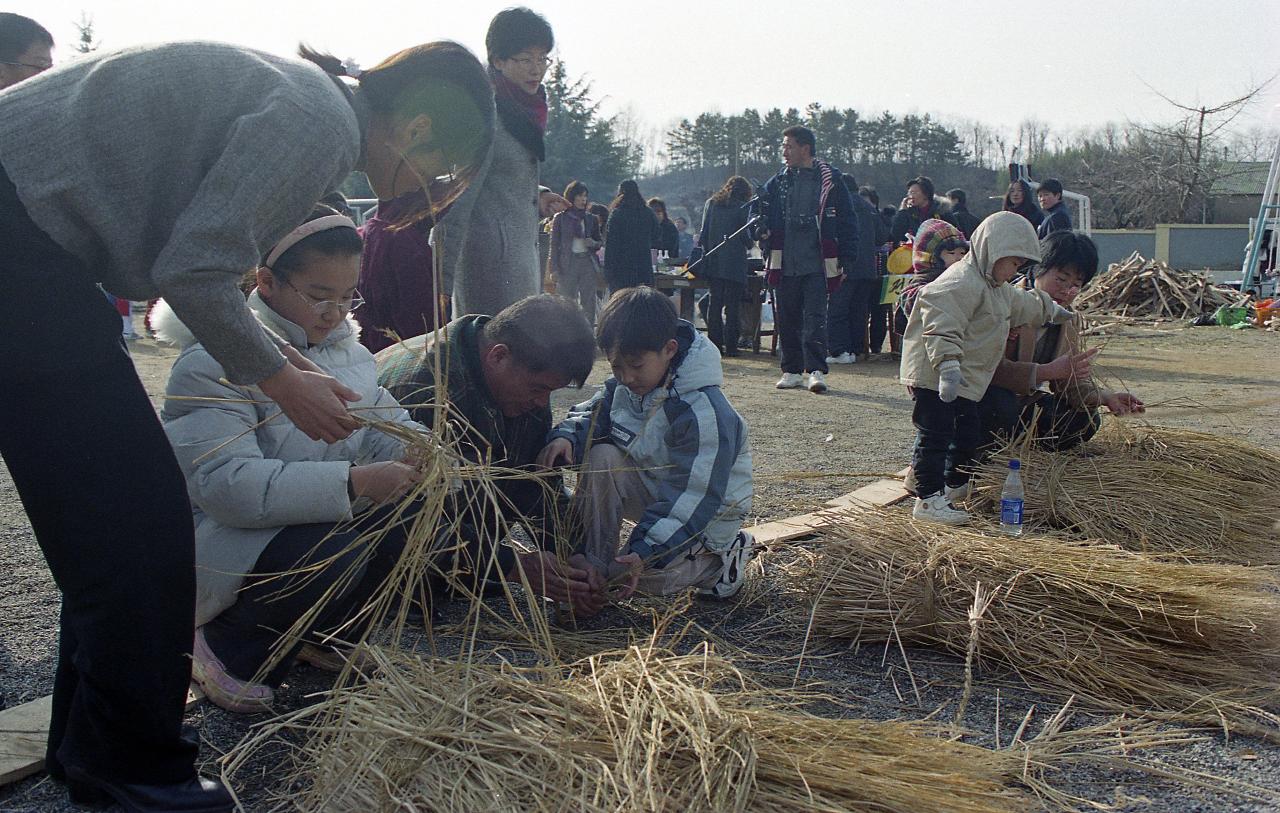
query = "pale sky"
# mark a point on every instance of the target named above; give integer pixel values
(1069, 63)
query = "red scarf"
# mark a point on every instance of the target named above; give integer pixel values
(533, 105)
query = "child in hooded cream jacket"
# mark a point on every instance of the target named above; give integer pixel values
(955, 337)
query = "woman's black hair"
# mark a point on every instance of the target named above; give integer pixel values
(869, 192)
(574, 189)
(628, 196)
(335, 242)
(442, 80)
(1028, 207)
(18, 33)
(1070, 251)
(514, 29)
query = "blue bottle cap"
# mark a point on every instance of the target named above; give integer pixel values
(1015, 464)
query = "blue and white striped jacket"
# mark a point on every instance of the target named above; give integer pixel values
(686, 440)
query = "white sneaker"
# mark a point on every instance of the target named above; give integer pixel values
(959, 493)
(937, 508)
(816, 382)
(843, 358)
(790, 381)
(733, 571)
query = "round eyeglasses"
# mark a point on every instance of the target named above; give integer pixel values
(323, 306)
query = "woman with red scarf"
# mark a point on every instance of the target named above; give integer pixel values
(490, 239)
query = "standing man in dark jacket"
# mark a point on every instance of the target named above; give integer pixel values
(810, 233)
(849, 308)
(726, 270)
(1056, 216)
(960, 216)
(917, 207)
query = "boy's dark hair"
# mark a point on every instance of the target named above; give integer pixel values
(18, 33)
(1070, 250)
(574, 189)
(1051, 185)
(335, 242)
(870, 193)
(636, 320)
(514, 29)
(802, 136)
(925, 183)
(958, 196)
(545, 332)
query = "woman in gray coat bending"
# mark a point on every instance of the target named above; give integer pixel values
(163, 170)
(726, 271)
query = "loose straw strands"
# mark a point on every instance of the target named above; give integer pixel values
(640, 730)
(1188, 643)
(1149, 489)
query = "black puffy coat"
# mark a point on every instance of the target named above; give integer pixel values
(628, 238)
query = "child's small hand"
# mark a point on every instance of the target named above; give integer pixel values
(628, 568)
(950, 380)
(558, 452)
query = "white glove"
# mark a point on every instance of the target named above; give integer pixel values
(1060, 315)
(950, 380)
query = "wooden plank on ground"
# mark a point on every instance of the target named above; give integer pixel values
(24, 730)
(876, 495)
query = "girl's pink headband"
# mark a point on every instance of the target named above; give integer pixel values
(306, 230)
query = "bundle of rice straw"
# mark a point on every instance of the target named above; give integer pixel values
(1124, 632)
(643, 730)
(1162, 491)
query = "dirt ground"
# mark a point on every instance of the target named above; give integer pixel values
(807, 449)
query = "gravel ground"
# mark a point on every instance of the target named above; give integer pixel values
(807, 449)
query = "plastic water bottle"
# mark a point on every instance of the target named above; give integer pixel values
(1011, 501)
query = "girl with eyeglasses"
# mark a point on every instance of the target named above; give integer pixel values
(267, 499)
(162, 170)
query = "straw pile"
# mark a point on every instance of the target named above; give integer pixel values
(1190, 643)
(1150, 289)
(643, 730)
(1163, 491)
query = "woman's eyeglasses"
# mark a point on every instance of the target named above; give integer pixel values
(323, 306)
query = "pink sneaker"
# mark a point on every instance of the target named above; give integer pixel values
(224, 689)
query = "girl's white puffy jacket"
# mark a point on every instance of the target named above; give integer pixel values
(249, 477)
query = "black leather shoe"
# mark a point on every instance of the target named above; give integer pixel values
(196, 795)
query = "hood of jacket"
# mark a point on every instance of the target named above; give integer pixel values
(696, 363)
(170, 329)
(1003, 234)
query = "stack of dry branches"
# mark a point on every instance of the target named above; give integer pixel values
(643, 729)
(1151, 489)
(1190, 643)
(1149, 289)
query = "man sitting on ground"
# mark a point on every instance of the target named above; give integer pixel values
(500, 374)
(660, 445)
